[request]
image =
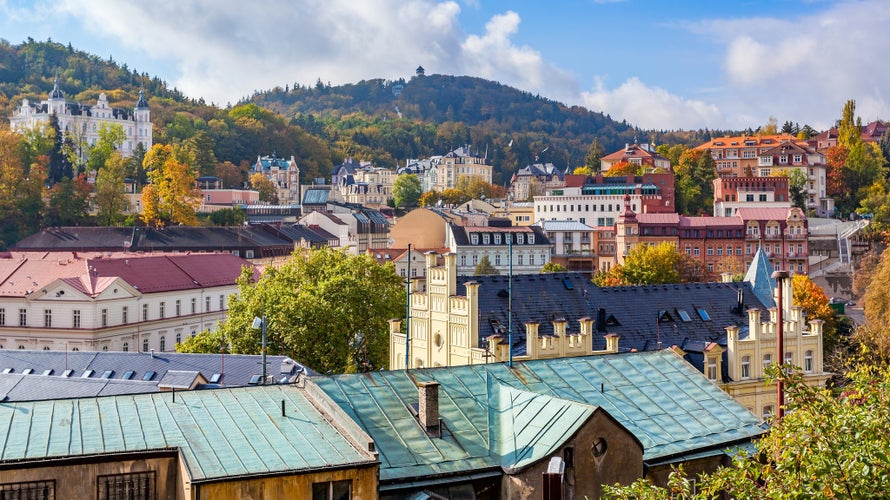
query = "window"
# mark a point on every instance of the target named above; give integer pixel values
(47, 318)
(767, 412)
(124, 315)
(178, 338)
(808, 361)
(178, 307)
(520, 238)
(531, 239)
(43, 490)
(144, 345)
(76, 318)
(474, 239)
(710, 250)
(332, 490)
(128, 375)
(521, 260)
(163, 345)
(23, 317)
(703, 314)
(485, 239)
(222, 302)
(104, 317)
(497, 239)
(746, 367)
(148, 375)
(206, 304)
(194, 305)
(144, 312)
(131, 486)
(696, 251)
(712, 368)
(161, 308)
(789, 358)
(767, 360)
(684, 315)
(2, 316)
(126, 347)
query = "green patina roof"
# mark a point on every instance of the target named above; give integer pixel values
(495, 416)
(219, 433)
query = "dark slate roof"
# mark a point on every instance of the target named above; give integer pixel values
(146, 239)
(632, 312)
(18, 386)
(462, 238)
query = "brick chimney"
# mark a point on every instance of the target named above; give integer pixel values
(428, 407)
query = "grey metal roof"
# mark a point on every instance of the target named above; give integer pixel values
(670, 407)
(316, 196)
(125, 368)
(219, 434)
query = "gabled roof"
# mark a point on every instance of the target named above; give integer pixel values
(766, 213)
(218, 434)
(633, 312)
(663, 401)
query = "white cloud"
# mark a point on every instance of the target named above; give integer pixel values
(650, 107)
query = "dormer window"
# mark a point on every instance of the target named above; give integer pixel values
(531, 239)
(474, 239)
(486, 239)
(520, 238)
(497, 239)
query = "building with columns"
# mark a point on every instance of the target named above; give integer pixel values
(81, 123)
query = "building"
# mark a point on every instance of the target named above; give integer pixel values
(284, 174)
(572, 244)
(363, 184)
(637, 154)
(423, 228)
(721, 244)
(739, 156)
(533, 180)
(598, 200)
(263, 442)
(463, 161)
(356, 228)
(528, 246)
(81, 123)
(118, 302)
(493, 430)
(718, 327)
(425, 169)
(41, 375)
(730, 193)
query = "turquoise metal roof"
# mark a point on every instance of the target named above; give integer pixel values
(219, 433)
(494, 416)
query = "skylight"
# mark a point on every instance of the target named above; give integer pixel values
(255, 379)
(67, 373)
(27, 371)
(215, 378)
(87, 374)
(684, 315)
(704, 314)
(8, 370)
(128, 374)
(148, 376)
(107, 373)
(47, 373)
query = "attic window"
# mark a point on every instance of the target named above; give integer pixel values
(255, 379)
(67, 373)
(704, 314)
(27, 371)
(107, 373)
(215, 378)
(87, 374)
(684, 315)
(128, 375)
(47, 373)
(149, 375)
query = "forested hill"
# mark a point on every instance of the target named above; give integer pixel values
(322, 124)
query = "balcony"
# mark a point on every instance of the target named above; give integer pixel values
(752, 236)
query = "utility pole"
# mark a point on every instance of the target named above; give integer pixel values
(408, 312)
(780, 277)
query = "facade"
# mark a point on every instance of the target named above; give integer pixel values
(722, 244)
(731, 193)
(533, 180)
(269, 442)
(363, 184)
(529, 245)
(426, 170)
(81, 123)
(739, 156)
(573, 245)
(423, 228)
(598, 200)
(356, 229)
(284, 174)
(637, 154)
(118, 302)
(462, 161)
(218, 199)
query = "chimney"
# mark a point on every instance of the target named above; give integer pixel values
(601, 319)
(428, 407)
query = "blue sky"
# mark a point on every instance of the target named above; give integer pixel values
(657, 64)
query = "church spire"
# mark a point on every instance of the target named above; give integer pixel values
(57, 92)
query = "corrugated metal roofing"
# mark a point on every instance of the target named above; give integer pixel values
(662, 400)
(222, 433)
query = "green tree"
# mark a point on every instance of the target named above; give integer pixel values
(328, 309)
(828, 445)
(406, 190)
(69, 202)
(111, 201)
(552, 267)
(266, 188)
(585, 170)
(228, 217)
(694, 174)
(797, 186)
(652, 264)
(206, 342)
(814, 303)
(594, 155)
(849, 129)
(771, 127)
(484, 267)
(111, 138)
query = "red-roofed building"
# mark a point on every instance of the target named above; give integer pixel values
(636, 154)
(112, 301)
(721, 244)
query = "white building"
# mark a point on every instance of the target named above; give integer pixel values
(530, 248)
(81, 122)
(112, 301)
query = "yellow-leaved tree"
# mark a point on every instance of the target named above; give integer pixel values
(172, 197)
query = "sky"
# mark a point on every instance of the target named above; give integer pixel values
(657, 64)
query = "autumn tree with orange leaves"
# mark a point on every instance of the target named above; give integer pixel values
(172, 197)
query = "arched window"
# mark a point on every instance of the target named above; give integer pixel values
(104, 347)
(178, 338)
(126, 347)
(145, 345)
(163, 345)
(46, 348)
(768, 411)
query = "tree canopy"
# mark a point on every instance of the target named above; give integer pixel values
(484, 267)
(324, 308)
(650, 265)
(406, 190)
